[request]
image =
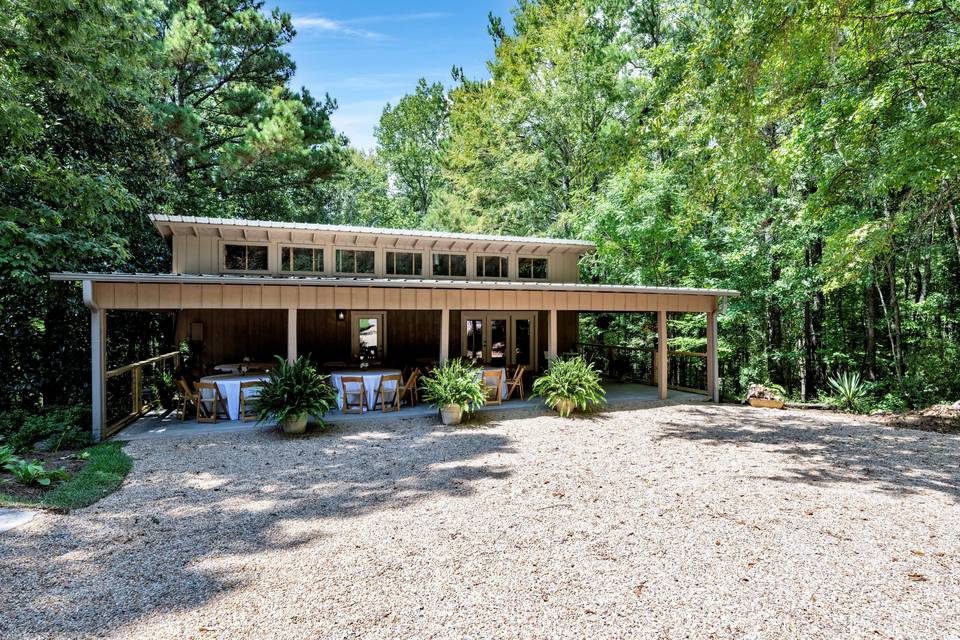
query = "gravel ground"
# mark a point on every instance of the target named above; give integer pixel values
(671, 522)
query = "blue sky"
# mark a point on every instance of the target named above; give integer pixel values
(366, 54)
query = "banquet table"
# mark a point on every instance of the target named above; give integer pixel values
(503, 379)
(229, 386)
(371, 382)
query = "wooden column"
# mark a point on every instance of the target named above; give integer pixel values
(98, 363)
(444, 335)
(662, 356)
(713, 362)
(291, 335)
(551, 335)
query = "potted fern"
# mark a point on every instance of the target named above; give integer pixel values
(452, 389)
(293, 392)
(568, 384)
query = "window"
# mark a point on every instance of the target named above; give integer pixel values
(533, 268)
(244, 257)
(352, 261)
(492, 267)
(404, 264)
(305, 259)
(450, 264)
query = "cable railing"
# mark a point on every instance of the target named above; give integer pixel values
(129, 393)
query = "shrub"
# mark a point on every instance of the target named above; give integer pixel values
(7, 456)
(163, 388)
(294, 390)
(66, 427)
(767, 391)
(454, 383)
(850, 390)
(572, 379)
(34, 473)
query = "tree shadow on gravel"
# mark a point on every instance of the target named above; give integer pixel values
(141, 550)
(821, 449)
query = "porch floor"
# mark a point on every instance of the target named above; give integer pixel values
(156, 425)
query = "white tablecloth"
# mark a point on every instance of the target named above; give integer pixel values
(503, 379)
(234, 367)
(229, 385)
(371, 381)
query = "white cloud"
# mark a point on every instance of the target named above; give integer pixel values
(318, 23)
(403, 17)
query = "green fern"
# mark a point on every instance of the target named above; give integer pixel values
(572, 379)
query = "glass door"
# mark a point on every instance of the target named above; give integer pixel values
(523, 347)
(497, 340)
(473, 340)
(368, 336)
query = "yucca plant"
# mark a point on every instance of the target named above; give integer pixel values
(568, 384)
(849, 389)
(294, 391)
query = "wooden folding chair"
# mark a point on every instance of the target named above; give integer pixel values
(211, 404)
(491, 386)
(349, 406)
(249, 391)
(410, 392)
(188, 398)
(388, 393)
(516, 384)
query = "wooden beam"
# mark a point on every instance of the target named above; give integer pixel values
(98, 363)
(291, 335)
(713, 362)
(663, 361)
(444, 334)
(552, 335)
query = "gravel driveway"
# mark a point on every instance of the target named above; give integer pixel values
(678, 521)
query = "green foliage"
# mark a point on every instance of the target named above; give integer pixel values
(572, 379)
(411, 139)
(7, 456)
(107, 465)
(455, 382)
(64, 427)
(163, 388)
(293, 390)
(849, 389)
(35, 473)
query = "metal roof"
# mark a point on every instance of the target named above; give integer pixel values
(339, 281)
(158, 219)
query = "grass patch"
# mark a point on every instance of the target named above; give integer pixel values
(106, 467)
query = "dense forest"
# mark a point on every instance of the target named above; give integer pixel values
(804, 153)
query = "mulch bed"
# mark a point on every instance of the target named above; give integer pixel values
(941, 418)
(51, 460)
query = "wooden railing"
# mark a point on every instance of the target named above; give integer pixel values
(126, 397)
(687, 370)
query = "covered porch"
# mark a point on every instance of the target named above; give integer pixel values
(402, 323)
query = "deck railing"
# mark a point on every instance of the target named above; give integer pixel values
(687, 370)
(126, 394)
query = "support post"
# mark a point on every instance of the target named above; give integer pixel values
(713, 362)
(444, 335)
(98, 363)
(551, 336)
(291, 335)
(662, 356)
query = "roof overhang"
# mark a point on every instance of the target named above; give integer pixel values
(418, 283)
(303, 232)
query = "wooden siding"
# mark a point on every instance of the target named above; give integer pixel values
(204, 254)
(229, 336)
(568, 331)
(412, 335)
(154, 296)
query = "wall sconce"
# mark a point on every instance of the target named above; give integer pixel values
(341, 315)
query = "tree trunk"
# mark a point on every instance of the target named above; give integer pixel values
(870, 337)
(813, 310)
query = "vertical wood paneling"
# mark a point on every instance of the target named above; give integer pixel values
(212, 297)
(232, 297)
(169, 296)
(270, 296)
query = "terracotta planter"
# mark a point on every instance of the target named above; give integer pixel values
(295, 424)
(451, 414)
(565, 407)
(768, 404)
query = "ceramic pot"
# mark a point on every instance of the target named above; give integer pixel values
(565, 407)
(451, 414)
(295, 424)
